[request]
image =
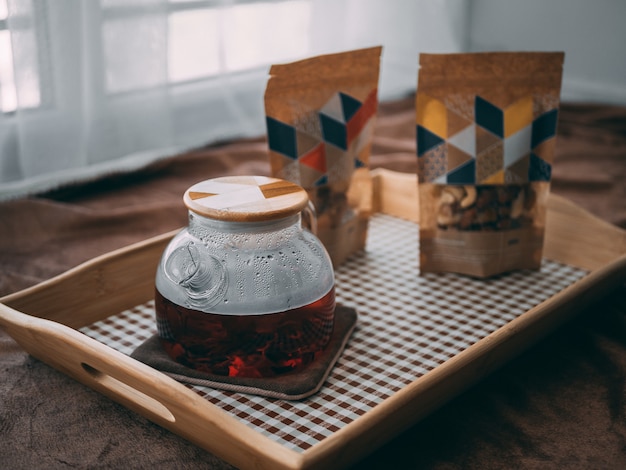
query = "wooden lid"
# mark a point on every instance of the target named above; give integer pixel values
(245, 198)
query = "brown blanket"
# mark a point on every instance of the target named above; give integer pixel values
(562, 404)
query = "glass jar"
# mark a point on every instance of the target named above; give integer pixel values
(244, 290)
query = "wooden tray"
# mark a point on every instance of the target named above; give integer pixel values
(585, 258)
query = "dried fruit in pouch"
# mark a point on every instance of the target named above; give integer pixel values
(486, 127)
(320, 116)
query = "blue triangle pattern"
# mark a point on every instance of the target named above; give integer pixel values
(281, 137)
(350, 105)
(334, 131)
(322, 181)
(544, 127)
(426, 140)
(465, 174)
(538, 169)
(489, 116)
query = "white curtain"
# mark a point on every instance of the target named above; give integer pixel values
(100, 86)
(106, 86)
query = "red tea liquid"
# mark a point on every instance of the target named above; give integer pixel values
(246, 345)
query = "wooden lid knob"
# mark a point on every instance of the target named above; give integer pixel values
(245, 198)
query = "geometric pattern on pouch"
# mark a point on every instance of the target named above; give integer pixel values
(465, 140)
(315, 158)
(485, 139)
(456, 157)
(507, 143)
(456, 123)
(432, 165)
(338, 167)
(545, 149)
(282, 137)
(320, 140)
(308, 176)
(539, 169)
(489, 162)
(434, 115)
(517, 173)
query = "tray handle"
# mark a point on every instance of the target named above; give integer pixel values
(144, 390)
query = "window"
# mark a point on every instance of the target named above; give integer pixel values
(26, 72)
(202, 39)
(112, 85)
(30, 41)
(8, 98)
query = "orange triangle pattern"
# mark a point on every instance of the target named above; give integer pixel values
(315, 158)
(362, 116)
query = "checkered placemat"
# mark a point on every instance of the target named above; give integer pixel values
(408, 325)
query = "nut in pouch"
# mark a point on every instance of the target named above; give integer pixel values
(486, 128)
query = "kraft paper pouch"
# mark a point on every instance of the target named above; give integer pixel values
(320, 116)
(486, 128)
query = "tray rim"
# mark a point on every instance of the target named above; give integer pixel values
(47, 330)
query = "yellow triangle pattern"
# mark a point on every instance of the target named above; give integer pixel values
(432, 114)
(496, 178)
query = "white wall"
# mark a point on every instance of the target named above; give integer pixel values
(403, 27)
(591, 32)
